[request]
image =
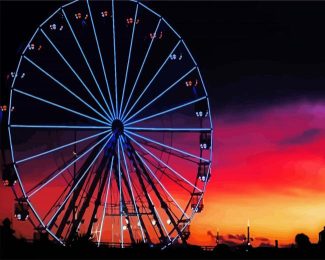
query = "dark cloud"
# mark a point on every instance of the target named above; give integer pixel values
(305, 137)
(210, 234)
(237, 237)
(263, 239)
(222, 239)
(265, 245)
(230, 243)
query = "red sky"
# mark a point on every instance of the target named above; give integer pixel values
(269, 167)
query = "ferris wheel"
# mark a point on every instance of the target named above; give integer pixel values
(110, 127)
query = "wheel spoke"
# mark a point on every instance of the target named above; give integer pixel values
(35, 213)
(101, 58)
(59, 106)
(164, 188)
(167, 111)
(59, 147)
(118, 174)
(169, 147)
(114, 49)
(60, 126)
(66, 167)
(162, 162)
(161, 129)
(152, 79)
(77, 183)
(130, 185)
(159, 96)
(68, 90)
(129, 57)
(120, 190)
(105, 204)
(140, 71)
(160, 220)
(90, 69)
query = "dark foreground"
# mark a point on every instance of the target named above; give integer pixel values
(47, 250)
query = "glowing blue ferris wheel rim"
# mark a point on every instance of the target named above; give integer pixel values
(118, 114)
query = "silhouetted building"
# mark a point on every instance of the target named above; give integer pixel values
(321, 240)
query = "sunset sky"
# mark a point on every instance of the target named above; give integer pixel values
(264, 70)
(264, 171)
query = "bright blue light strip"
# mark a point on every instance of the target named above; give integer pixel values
(160, 95)
(159, 219)
(129, 57)
(140, 71)
(133, 197)
(146, 7)
(167, 146)
(35, 213)
(76, 74)
(28, 44)
(171, 28)
(70, 3)
(153, 78)
(11, 90)
(105, 204)
(162, 162)
(210, 117)
(164, 188)
(67, 166)
(51, 233)
(90, 69)
(157, 214)
(120, 188)
(101, 59)
(162, 129)
(60, 147)
(115, 73)
(67, 89)
(189, 53)
(166, 111)
(59, 106)
(61, 126)
(50, 17)
(76, 185)
(18, 176)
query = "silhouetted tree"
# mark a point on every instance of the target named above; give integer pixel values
(83, 241)
(302, 241)
(7, 233)
(7, 238)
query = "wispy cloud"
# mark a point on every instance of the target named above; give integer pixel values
(306, 136)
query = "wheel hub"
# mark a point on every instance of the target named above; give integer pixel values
(117, 127)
